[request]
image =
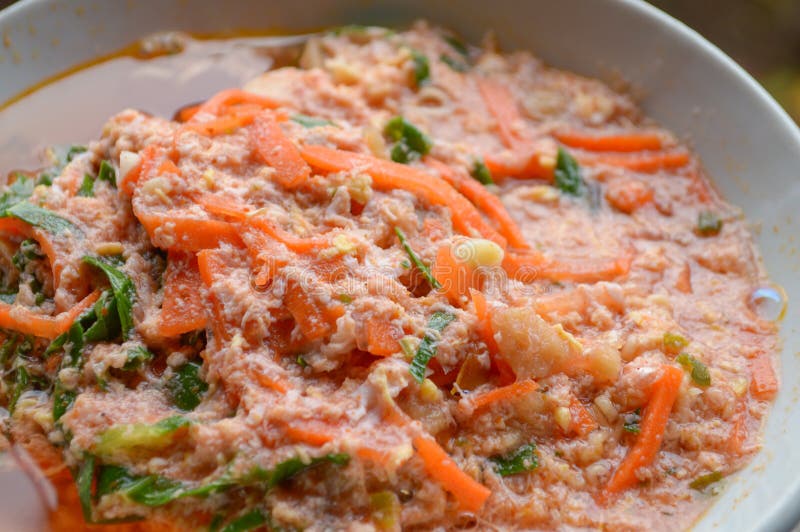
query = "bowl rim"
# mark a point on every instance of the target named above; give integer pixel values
(784, 513)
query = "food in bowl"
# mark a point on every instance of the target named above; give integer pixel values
(407, 283)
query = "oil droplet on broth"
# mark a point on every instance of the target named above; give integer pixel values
(769, 302)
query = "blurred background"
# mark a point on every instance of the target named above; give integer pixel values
(761, 35)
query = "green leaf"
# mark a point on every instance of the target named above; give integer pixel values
(73, 357)
(20, 190)
(458, 66)
(84, 481)
(422, 68)
(421, 266)
(427, 347)
(287, 469)
(248, 521)
(704, 481)
(631, 422)
(8, 347)
(708, 224)
(132, 437)
(62, 400)
(700, 374)
(21, 382)
(482, 173)
(86, 189)
(568, 174)
(124, 292)
(311, 121)
(107, 174)
(104, 319)
(42, 218)
(185, 387)
(137, 357)
(519, 461)
(411, 143)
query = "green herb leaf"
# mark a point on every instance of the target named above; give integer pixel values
(20, 190)
(137, 357)
(138, 436)
(123, 288)
(311, 121)
(674, 342)
(62, 400)
(457, 44)
(73, 357)
(248, 521)
(631, 421)
(21, 382)
(84, 480)
(521, 460)
(708, 224)
(422, 68)
(411, 143)
(42, 218)
(301, 361)
(427, 347)
(86, 189)
(104, 319)
(107, 174)
(186, 388)
(704, 481)
(482, 173)
(700, 374)
(74, 151)
(421, 266)
(568, 174)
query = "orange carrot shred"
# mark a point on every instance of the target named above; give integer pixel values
(314, 319)
(25, 321)
(582, 422)
(470, 494)
(763, 382)
(484, 400)
(503, 108)
(654, 421)
(279, 152)
(622, 141)
(183, 309)
(382, 336)
(647, 162)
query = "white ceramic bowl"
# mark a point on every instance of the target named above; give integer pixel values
(749, 145)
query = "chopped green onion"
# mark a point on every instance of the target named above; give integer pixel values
(107, 174)
(137, 357)
(568, 177)
(454, 64)
(519, 461)
(74, 151)
(708, 224)
(86, 189)
(249, 521)
(311, 121)
(674, 342)
(482, 173)
(704, 481)
(301, 361)
(84, 479)
(427, 347)
(410, 142)
(631, 421)
(422, 68)
(421, 266)
(700, 374)
(457, 44)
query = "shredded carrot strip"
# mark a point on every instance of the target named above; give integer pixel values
(470, 494)
(183, 231)
(224, 125)
(278, 151)
(626, 141)
(582, 422)
(628, 195)
(264, 252)
(483, 200)
(455, 277)
(382, 336)
(499, 364)
(503, 108)
(763, 382)
(387, 175)
(312, 432)
(504, 393)
(315, 320)
(186, 113)
(222, 206)
(293, 242)
(25, 321)
(183, 309)
(534, 161)
(647, 162)
(654, 421)
(528, 267)
(217, 103)
(148, 158)
(279, 383)
(14, 226)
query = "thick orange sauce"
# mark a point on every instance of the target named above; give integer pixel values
(71, 108)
